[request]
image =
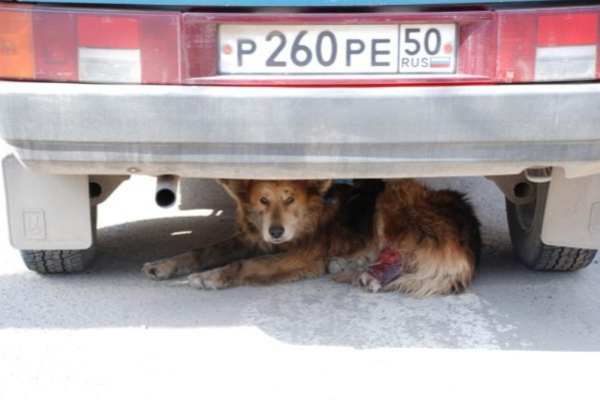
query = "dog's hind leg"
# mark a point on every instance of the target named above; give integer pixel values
(447, 269)
(433, 271)
(379, 271)
(266, 270)
(212, 256)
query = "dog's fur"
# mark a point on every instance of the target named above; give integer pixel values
(290, 230)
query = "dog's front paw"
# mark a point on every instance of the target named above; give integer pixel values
(337, 265)
(209, 280)
(367, 282)
(159, 270)
(340, 264)
(219, 278)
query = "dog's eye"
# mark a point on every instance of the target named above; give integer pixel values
(290, 200)
(264, 200)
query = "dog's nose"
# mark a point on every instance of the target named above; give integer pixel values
(276, 231)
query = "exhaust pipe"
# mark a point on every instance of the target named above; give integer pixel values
(166, 190)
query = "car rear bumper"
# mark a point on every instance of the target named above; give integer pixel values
(277, 133)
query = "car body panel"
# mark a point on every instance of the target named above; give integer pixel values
(279, 133)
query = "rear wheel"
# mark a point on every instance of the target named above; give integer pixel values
(61, 261)
(525, 226)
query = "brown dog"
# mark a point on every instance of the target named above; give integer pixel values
(394, 236)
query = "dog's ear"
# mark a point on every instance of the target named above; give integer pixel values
(320, 187)
(237, 188)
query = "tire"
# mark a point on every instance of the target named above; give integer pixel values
(62, 261)
(525, 227)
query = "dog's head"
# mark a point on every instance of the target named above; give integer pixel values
(280, 211)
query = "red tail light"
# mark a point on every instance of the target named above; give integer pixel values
(151, 47)
(55, 47)
(548, 45)
(95, 46)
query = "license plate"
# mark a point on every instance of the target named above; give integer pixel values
(337, 49)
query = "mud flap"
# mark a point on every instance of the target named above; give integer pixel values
(46, 212)
(572, 215)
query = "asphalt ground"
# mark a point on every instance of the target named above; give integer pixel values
(111, 333)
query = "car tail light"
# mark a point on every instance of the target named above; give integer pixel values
(548, 45)
(114, 56)
(59, 44)
(16, 52)
(68, 45)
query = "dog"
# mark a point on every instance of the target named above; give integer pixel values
(381, 236)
